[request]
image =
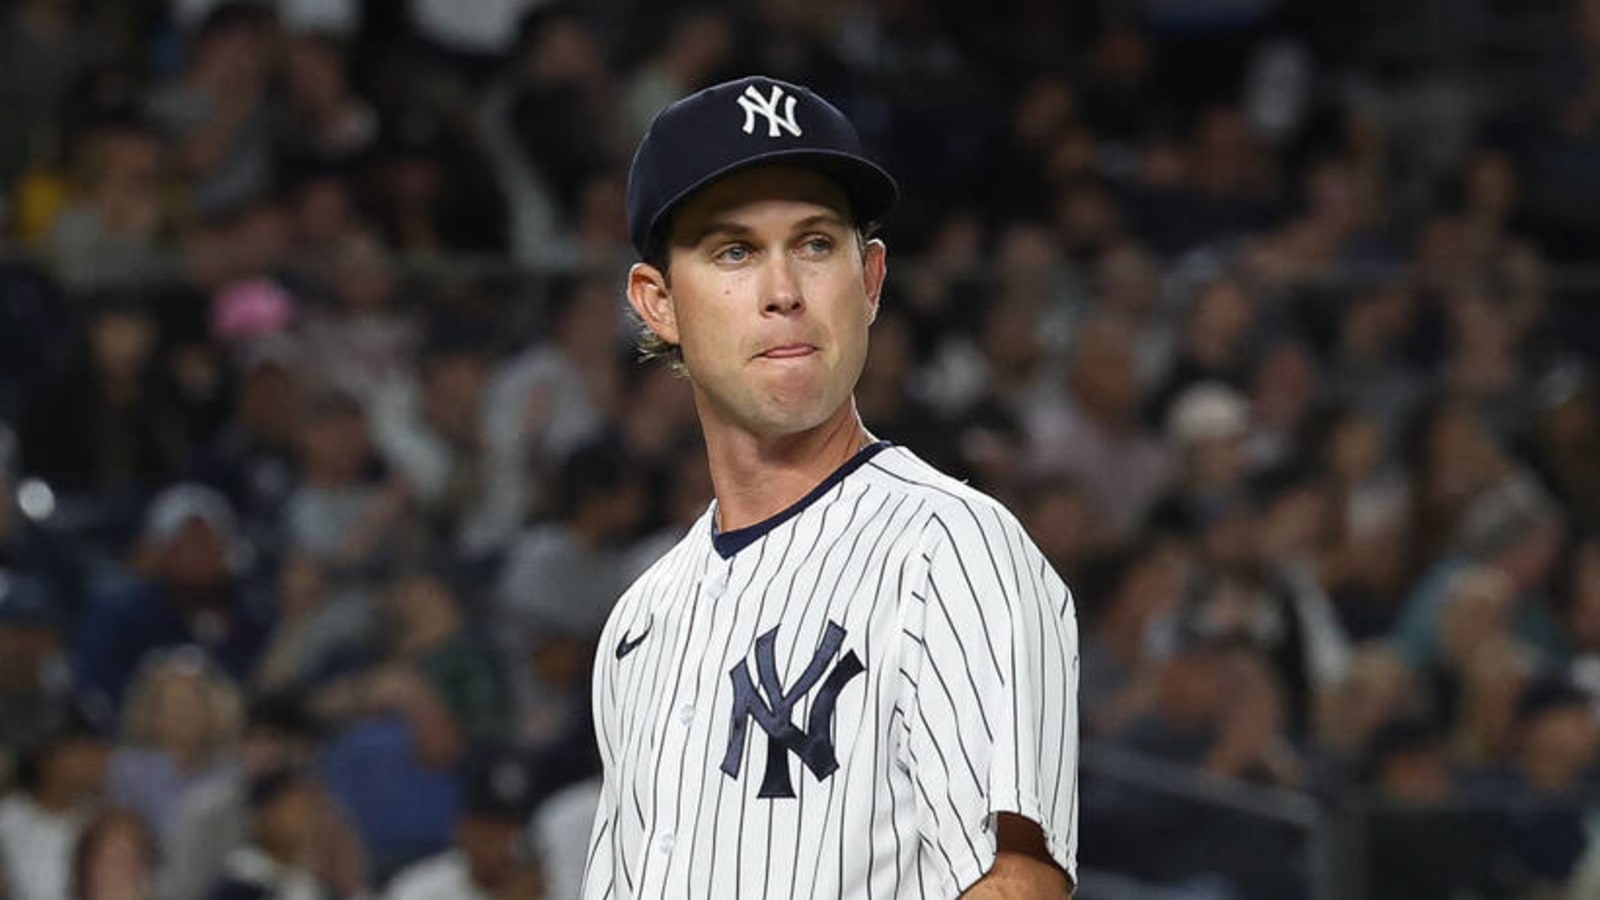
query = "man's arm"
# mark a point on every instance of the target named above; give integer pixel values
(1023, 869)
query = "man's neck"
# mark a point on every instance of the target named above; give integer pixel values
(55, 800)
(758, 477)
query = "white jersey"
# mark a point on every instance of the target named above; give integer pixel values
(835, 702)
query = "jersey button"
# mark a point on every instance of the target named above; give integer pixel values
(716, 581)
(664, 844)
(685, 714)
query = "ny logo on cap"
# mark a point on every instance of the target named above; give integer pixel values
(754, 104)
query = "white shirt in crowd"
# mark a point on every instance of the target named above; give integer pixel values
(36, 849)
(440, 877)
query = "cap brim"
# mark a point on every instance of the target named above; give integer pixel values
(871, 190)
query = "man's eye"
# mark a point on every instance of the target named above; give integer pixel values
(736, 253)
(818, 246)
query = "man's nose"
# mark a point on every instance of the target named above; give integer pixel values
(781, 294)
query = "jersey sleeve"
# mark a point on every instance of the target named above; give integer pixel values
(989, 699)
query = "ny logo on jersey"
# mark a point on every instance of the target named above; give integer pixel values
(814, 746)
(754, 104)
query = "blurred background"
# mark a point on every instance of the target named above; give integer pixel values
(323, 451)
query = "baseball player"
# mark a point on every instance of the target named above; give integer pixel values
(854, 676)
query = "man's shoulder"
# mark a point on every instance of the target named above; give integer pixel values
(16, 811)
(439, 876)
(942, 496)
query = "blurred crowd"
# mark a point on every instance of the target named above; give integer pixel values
(324, 450)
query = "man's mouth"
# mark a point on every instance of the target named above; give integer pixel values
(789, 351)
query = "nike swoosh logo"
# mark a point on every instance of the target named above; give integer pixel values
(625, 646)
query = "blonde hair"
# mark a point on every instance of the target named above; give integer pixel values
(223, 702)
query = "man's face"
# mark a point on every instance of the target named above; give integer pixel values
(23, 650)
(196, 558)
(490, 845)
(770, 297)
(292, 816)
(267, 403)
(455, 384)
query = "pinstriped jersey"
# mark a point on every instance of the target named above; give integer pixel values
(837, 701)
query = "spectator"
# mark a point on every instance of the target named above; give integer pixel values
(697, 46)
(491, 853)
(403, 723)
(884, 395)
(322, 622)
(555, 116)
(1375, 689)
(559, 828)
(341, 516)
(1055, 510)
(328, 123)
(1127, 286)
(218, 114)
(1367, 372)
(430, 192)
(1485, 361)
(1189, 721)
(1578, 594)
(35, 680)
(1137, 592)
(1283, 391)
(180, 729)
(657, 413)
(1564, 440)
(1213, 345)
(108, 234)
(251, 458)
(1361, 562)
(115, 859)
(434, 671)
(560, 580)
(1513, 529)
(1555, 751)
(434, 433)
(1095, 437)
(1216, 709)
(467, 39)
(46, 49)
(1494, 676)
(361, 343)
(214, 819)
(188, 591)
(61, 780)
(1208, 428)
(680, 494)
(109, 423)
(1424, 842)
(323, 213)
(1226, 194)
(556, 396)
(285, 806)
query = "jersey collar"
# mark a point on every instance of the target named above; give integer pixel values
(728, 543)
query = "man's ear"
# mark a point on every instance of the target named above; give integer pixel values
(874, 268)
(650, 297)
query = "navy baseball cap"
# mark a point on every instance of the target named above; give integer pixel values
(497, 782)
(738, 124)
(26, 602)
